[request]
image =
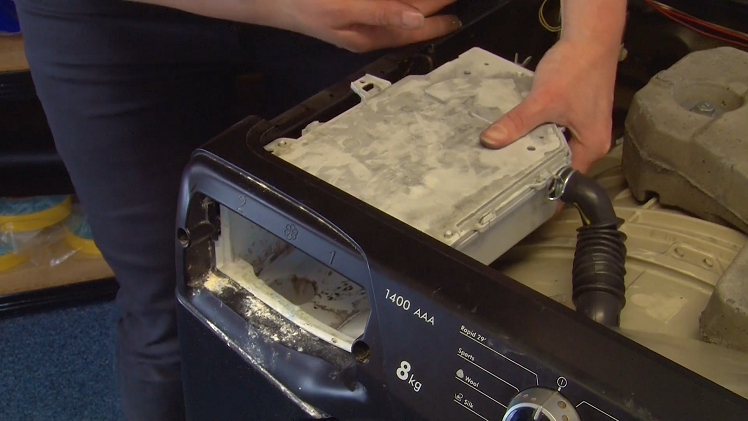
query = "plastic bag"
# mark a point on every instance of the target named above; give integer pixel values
(46, 242)
(28, 226)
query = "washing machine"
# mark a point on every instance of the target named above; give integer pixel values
(334, 263)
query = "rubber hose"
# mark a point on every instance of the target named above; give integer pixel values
(600, 257)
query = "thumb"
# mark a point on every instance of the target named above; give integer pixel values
(386, 13)
(522, 119)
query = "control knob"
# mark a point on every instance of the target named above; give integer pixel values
(540, 404)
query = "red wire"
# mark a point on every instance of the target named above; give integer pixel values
(742, 44)
(704, 23)
(673, 13)
(677, 16)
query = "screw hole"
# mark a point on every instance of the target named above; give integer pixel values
(485, 64)
(467, 72)
(183, 237)
(531, 148)
(368, 87)
(361, 352)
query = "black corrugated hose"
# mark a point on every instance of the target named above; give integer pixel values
(600, 256)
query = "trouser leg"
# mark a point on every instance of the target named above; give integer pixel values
(129, 91)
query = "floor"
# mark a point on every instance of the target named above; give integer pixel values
(59, 365)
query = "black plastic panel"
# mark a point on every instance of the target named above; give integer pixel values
(225, 386)
(440, 319)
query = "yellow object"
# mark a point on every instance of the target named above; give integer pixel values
(543, 22)
(10, 260)
(34, 216)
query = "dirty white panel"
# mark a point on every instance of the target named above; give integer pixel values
(290, 282)
(412, 150)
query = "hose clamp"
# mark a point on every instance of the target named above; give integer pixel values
(559, 182)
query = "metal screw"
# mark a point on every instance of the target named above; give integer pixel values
(282, 143)
(449, 234)
(706, 107)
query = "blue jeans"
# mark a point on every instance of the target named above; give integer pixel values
(129, 91)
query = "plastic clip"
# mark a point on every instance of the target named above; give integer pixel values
(369, 86)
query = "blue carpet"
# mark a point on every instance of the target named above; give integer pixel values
(59, 365)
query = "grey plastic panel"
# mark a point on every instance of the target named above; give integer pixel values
(412, 150)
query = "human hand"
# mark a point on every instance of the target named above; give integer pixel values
(364, 25)
(356, 25)
(573, 87)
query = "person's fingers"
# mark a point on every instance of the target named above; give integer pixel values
(429, 7)
(532, 112)
(362, 39)
(386, 13)
(585, 154)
